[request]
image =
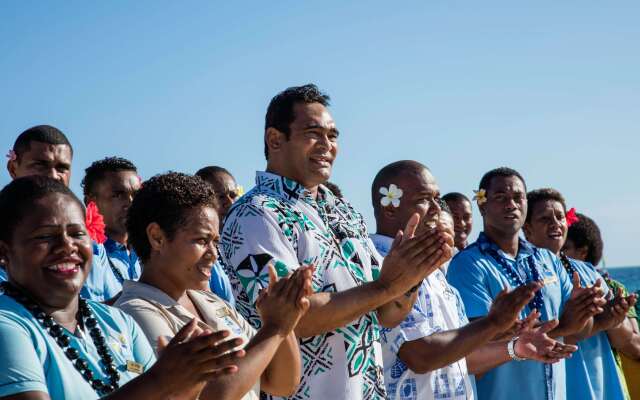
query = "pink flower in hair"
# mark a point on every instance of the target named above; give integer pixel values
(11, 155)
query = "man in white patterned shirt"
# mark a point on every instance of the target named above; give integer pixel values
(289, 218)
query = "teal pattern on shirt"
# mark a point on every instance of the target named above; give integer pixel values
(279, 222)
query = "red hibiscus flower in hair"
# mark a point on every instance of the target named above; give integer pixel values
(571, 217)
(95, 223)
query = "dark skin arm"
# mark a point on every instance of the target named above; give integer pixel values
(443, 348)
(272, 355)
(408, 262)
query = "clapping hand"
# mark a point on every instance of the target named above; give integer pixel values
(533, 343)
(615, 311)
(506, 307)
(584, 304)
(413, 256)
(193, 357)
(284, 301)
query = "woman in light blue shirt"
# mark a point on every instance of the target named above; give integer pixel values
(54, 345)
(591, 372)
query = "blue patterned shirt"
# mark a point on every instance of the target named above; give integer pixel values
(438, 308)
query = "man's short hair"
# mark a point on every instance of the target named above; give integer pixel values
(41, 133)
(455, 196)
(539, 195)
(585, 232)
(280, 111)
(97, 170)
(504, 172)
(211, 171)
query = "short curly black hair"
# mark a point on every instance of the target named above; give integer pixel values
(17, 198)
(40, 133)
(280, 111)
(97, 170)
(585, 232)
(504, 172)
(165, 199)
(539, 195)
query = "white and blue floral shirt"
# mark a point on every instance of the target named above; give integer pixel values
(438, 308)
(279, 222)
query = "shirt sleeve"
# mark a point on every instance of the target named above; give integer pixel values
(419, 323)
(143, 353)
(99, 285)
(250, 242)
(21, 369)
(470, 278)
(150, 320)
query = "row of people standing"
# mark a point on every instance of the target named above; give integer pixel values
(381, 307)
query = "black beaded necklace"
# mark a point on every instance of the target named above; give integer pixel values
(63, 340)
(567, 264)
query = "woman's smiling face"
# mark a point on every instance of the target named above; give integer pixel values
(188, 256)
(49, 254)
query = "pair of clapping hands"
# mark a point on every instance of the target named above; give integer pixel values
(195, 355)
(416, 252)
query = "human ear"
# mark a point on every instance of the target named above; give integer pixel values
(582, 252)
(156, 236)
(274, 139)
(11, 167)
(526, 228)
(4, 254)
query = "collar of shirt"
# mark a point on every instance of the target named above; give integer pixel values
(282, 186)
(525, 249)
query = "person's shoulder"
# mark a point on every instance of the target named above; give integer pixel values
(470, 255)
(255, 203)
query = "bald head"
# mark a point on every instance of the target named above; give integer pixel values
(401, 189)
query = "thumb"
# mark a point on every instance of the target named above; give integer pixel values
(184, 333)
(273, 276)
(412, 225)
(397, 239)
(575, 279)
(162, 344)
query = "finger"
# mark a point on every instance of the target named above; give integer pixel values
(575, 279)
(417, 246)
(412, 225)
(397, 240)
(273, 276)
(219, 349)
(211, 340)
(210, 361)
(532, 319)
(219, 372)
(423, 249)
(185, 333)
(548, 326)
(162, 344)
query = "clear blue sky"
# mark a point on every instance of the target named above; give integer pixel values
(550, 89)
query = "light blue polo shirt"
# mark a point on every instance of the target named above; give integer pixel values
(479, 278)
(102, 284)
(3, 274)
(32, 360)
(220, 285)
(591, 372)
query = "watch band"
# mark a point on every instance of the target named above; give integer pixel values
(511, 350)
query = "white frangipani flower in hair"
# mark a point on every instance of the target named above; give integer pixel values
(390, 195)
